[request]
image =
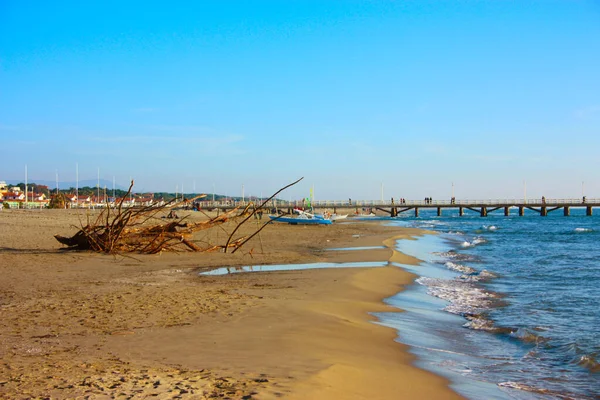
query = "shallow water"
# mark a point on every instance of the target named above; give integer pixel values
(292, 267)
(357, 248)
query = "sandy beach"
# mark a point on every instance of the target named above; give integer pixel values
(84, 325)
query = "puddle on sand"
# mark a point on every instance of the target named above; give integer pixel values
(293, 267)
(357, 248)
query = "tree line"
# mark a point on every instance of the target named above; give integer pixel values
(93, 191)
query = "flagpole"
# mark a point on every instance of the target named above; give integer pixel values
(76, 185)
(98, 187)
(25, 186)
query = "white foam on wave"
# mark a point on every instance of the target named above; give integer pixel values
(533, 389)
(459, 267)
(526, 335)
(522, 386)
(489, 227)
(588, 361)
(479, 323)
(455, 256)
(478, 277)
(476, 241)
(583, 230)
(464, 297)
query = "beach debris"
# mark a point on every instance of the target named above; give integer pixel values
(136, 230)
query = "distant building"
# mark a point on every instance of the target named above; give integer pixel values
(14, 196)
(71, 197)
(36, 196)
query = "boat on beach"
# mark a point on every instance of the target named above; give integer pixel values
(332, 217)
(302, 219)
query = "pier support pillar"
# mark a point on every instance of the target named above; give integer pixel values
(588, 211)
(461, 212)
(566, 211)
(544, 211)
(483, 212)
(394, 212)
(416, 211)
(506, 211)
(521, 211)
(439, 211)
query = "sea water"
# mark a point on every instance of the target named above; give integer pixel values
(505, 307)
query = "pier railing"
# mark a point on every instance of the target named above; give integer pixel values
(572, 202)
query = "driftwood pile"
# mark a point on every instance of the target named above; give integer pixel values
(134, 230)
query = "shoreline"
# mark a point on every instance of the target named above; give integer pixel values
(78, 323)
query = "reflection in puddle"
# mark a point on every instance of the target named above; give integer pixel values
(293, 267)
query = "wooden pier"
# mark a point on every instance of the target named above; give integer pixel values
(394, 208)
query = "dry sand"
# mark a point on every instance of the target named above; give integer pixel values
(83, 325)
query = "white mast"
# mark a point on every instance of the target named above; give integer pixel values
(25, 186)
(76, 185)
(98, 188)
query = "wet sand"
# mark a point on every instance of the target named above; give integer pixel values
(83, 325)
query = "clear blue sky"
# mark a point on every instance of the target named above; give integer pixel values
(351, 95)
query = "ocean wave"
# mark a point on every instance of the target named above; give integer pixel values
(464, 297)
(532, 389)
(459, 268)
(522, 386)
(479, 323)
(525, 335)
(590, 362)
(482, 276)
(489, 227)
(485, 274)
(583, 230)
(476, 241)
(453, 255)
(580, 356)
